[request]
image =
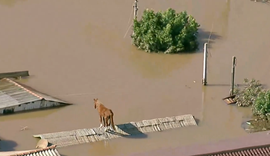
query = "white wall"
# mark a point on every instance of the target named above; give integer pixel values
(28, 106)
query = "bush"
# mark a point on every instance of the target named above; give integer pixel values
(248, 95)
(261, 106)
(167, 32)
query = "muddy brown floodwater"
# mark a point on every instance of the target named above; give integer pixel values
(76, 51)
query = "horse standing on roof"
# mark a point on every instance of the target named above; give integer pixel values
(105, 114)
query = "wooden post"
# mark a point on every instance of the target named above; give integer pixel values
(205, 65)
(233, 74)
(135, 10)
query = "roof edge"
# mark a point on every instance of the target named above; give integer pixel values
(34, 151)
(235, 150)
(17, 84)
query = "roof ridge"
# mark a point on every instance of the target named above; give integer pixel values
(17, 84)
(34, 151)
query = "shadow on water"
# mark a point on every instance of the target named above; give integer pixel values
(197, 121)
(7, 145)
(131, 130)
(206, 37)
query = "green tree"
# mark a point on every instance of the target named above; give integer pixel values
(167, 32)
(261, 106)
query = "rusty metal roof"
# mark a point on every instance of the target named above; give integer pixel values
(12, 93)
(252, 151)
(248, 151)
(49, 151)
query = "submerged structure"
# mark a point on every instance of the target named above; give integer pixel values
(128, 130)
(48, 151)
(15, 97)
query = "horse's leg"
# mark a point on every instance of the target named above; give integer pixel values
(107, 121)
(110, 123)
(104, 121)
(100, 120)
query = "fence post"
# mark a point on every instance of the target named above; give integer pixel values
(135, 11)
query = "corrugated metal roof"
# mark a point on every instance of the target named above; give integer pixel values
(260, 151)
(49, 151)
(12, 94)
(79, 136)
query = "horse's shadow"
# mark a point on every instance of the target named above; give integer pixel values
(131, 130)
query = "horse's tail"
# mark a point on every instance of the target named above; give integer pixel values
(111, 118)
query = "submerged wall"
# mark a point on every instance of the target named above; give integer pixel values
(40, 104)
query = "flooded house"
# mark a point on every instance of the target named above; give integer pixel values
(16, 97)
(48, 151)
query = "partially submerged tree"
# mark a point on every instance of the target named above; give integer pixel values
(167, 32)
(247, 96)
(261, 106)
(258, 98)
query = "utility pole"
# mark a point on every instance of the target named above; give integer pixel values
(233, 74)
(135, 10)
(204, 81)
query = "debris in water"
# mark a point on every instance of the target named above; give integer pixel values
(24, 128)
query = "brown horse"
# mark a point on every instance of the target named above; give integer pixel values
(105, 114)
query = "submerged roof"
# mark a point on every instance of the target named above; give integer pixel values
(129, 130)
(49, 151)
(12, 94)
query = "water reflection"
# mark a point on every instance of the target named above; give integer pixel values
(157, 65)
(224, 18)
(29, 114)
(103, 148)
(203, 102)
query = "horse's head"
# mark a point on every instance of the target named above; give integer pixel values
(95, 102)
